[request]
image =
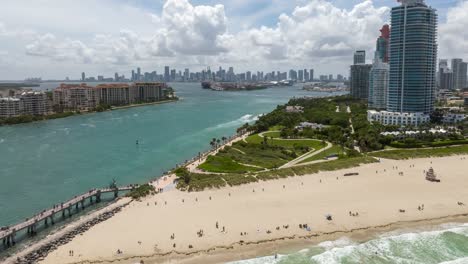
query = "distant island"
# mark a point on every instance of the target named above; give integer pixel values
(242, 86)
(24, 106)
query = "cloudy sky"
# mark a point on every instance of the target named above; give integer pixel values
(59, 38)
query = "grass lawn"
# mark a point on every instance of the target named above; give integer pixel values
(277, 152)
(276, 128)
(223, 164)
(273, 134)
(200, 182)
(400, 154)
(333, 165)
(287, 143)
(322, 155)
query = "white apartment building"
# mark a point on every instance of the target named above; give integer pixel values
(76, 97)
(10, 107)
(453, 118)
(396, 118)
(34, 103)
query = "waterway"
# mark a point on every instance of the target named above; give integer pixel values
(47, 162)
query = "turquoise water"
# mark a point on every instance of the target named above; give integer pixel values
(447, 244)
(47, 162)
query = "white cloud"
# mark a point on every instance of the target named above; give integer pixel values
(114, 35)
(453, 34)
(314, 33)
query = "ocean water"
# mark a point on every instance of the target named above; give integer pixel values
(44, 163)
(446, 244)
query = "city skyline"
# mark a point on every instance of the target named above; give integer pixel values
(169, 74)
(268, 35)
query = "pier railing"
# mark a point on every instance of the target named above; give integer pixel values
(8, 233)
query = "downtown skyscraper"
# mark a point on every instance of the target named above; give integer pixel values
(413, 58)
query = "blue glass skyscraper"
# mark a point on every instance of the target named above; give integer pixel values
(413, 58)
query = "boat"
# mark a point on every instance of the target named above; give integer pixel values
(206, 85)
(431, 176)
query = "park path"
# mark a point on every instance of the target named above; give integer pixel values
(305, 156)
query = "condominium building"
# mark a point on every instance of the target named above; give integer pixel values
(459, 69)
(396, 118)
(76, 97)
(150, 92)
(359, 81)
(34, 103)
(117, 94)
(413, 58)
(359, 57)
(453, 118)
(378, 84)
(9, 107)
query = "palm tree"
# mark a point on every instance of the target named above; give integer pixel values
(224, 139)
(212, 144)
(217, 142)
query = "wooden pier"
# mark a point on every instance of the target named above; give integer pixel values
(8, 234)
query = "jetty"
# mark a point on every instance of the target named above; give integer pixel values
(8, 233)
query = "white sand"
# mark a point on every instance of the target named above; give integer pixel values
(376, 197)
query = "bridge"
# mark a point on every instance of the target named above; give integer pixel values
(8, 234)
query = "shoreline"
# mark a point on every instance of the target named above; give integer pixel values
(377, 213)
(285, 245)
(71, 114)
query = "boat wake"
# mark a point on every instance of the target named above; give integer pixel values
(240, 121)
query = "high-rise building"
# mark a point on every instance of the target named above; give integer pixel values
(83, 77)
(306, 75)
(116, 77)
(360, 57)
(75, 97)
(359, 82)
(459, 69)
(311, 75)
(138, 77)
(173, 75)
(378, 84)
(133, 75)
(249, 76)
(413, 58)
(186, 74)
(383, 43)
(293, 75)
(167, 76)
(444, 76)
(10, 107)
(301, 75)
(35, 103)
(330, 77)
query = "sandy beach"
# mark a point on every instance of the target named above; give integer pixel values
(165, 228)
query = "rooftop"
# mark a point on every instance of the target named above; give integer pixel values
(113, 85)
(74, 86)
(9, 99)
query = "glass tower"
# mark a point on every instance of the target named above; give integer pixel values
(413, 58)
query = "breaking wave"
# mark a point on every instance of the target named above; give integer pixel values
(448, 245)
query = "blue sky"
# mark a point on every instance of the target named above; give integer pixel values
(58, 38)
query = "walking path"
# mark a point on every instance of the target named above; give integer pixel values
(193, 167)
(312, 153)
